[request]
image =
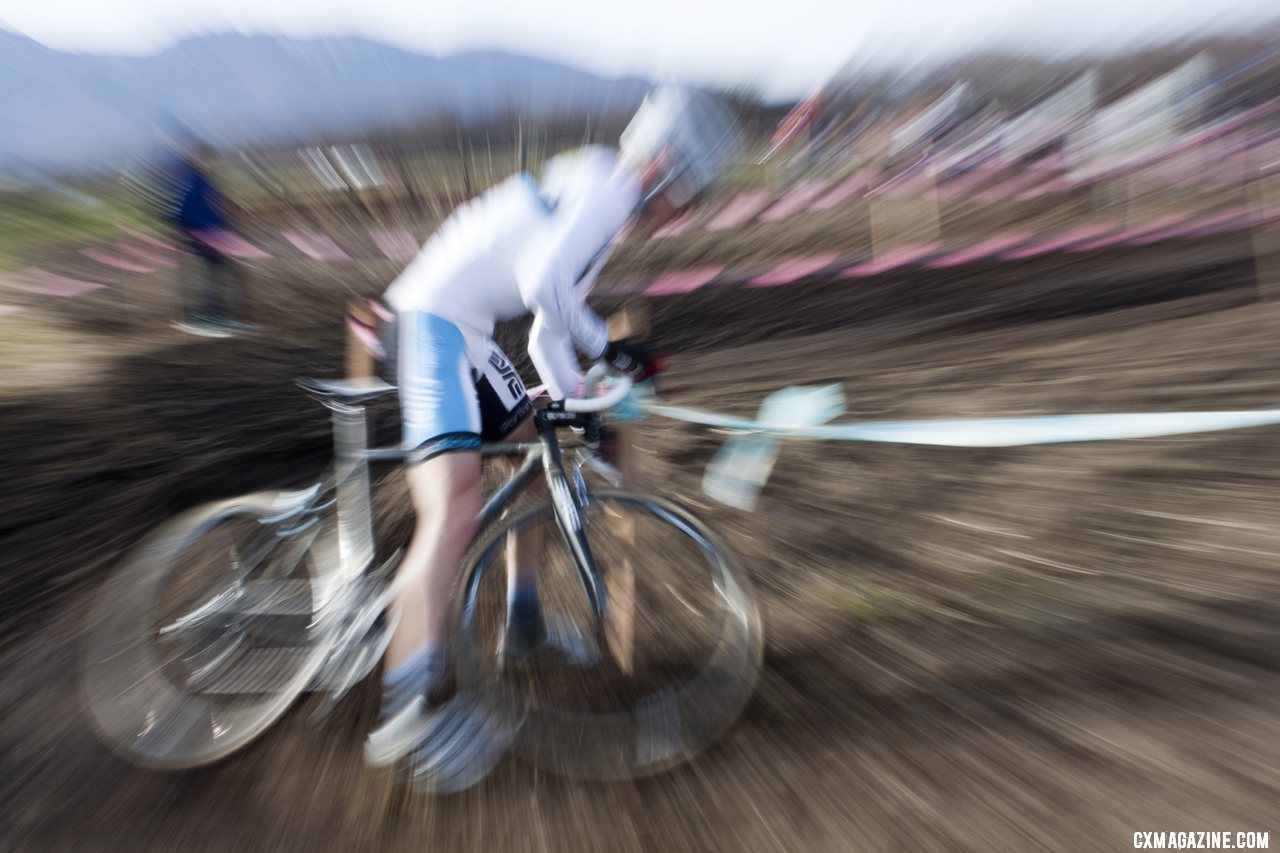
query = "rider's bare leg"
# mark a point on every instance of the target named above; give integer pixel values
(445, 491)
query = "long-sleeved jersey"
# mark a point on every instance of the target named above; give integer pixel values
(522, 247)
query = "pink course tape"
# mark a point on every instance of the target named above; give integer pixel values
(981, 250)
(163, 262)
(627, 285)
(10, 309)
(682, 281)
(742, 208)
(397, 244)
(1067, 238)
(319, 247)
(794, 270)
(682, 224)
(843, 191)
(890, 260)
(1131, 233)
(1205, 227)
(229, 243)
(148, 238)
(32, 280)
(112, 261)
(793, 202)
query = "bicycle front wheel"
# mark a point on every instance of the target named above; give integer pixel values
(674, 665)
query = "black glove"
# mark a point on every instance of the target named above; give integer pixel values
(632, 358)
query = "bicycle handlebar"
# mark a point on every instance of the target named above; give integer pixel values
(589, 403)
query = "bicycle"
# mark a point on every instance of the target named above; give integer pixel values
(222, 617)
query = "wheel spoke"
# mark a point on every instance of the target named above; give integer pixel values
(696, 646)
(218, 605)
(226, 643)
(208, 663)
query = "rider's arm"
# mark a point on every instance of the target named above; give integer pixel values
(547, 271)
(552, 356)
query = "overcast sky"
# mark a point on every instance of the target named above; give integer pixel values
(783, 46)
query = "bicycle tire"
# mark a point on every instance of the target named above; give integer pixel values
(661, 730)
(132, 701)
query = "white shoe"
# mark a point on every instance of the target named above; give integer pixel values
(464, 744)
(400, 735)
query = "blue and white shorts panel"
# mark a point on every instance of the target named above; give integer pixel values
(437, 393)
(447, 402)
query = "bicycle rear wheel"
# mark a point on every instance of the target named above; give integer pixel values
(683, 650)
(207, 632)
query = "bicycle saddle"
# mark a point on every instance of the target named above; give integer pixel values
(351, 391)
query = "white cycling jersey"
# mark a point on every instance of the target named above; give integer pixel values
(521, 247)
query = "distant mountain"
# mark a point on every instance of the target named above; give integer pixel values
(76, 111)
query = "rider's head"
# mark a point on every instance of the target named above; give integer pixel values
(678, 142)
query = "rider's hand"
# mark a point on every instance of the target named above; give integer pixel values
(633, 358)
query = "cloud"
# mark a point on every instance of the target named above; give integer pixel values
(784, 47)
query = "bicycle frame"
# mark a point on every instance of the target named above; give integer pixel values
(353, 458)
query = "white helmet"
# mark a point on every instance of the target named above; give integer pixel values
(690, 135)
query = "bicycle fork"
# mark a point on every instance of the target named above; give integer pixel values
(570, 504)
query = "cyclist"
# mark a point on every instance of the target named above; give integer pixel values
(521, 247)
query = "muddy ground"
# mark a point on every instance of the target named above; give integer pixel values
(1025, 648)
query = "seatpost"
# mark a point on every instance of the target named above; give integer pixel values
(355, 518)
(350, 443)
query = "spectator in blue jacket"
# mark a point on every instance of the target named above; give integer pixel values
(196, 208)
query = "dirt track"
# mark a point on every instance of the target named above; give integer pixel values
(1038, 648)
